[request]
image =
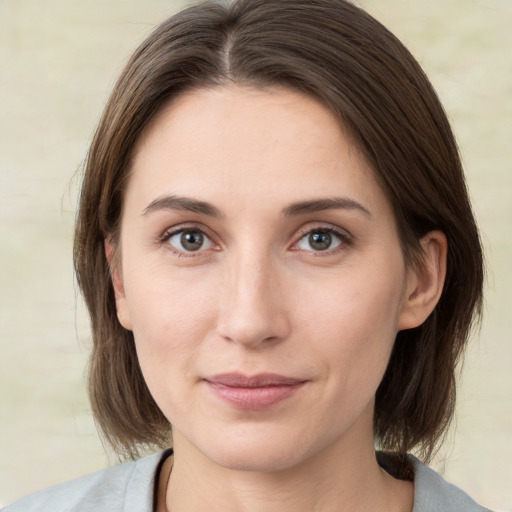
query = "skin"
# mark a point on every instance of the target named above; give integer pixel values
(258, 296)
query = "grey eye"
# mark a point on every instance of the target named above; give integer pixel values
(190, 240)
(319, 240)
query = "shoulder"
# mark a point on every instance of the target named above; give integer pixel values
(127, 487)
(433, 494)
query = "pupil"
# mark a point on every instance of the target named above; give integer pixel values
(192, 240)
(320, 241)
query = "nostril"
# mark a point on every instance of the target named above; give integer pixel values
(254, 330)
(251, 305)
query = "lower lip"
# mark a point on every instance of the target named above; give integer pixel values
(254, 399)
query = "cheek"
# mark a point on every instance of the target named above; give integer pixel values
(354, 323)
(166, 304)
(171, 316)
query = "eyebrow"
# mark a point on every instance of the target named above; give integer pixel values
(318, 205)
(180, 203)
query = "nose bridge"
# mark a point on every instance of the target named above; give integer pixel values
(252, 309)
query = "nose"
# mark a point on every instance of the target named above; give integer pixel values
(252, 306)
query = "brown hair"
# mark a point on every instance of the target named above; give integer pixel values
(338, 54)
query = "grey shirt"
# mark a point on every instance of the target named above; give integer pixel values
(129, 487)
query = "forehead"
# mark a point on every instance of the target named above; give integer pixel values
(252, 143)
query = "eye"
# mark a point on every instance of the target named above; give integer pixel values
(320, 240)
(189, 240)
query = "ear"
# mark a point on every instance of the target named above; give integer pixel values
(425, 282)
(116, 275)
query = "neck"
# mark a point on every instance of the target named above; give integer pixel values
(343, 477)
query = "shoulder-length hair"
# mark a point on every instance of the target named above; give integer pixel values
(338, 54)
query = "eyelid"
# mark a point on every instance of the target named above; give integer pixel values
(174, 230)
(344, 235)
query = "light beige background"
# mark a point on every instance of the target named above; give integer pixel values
(58, 60)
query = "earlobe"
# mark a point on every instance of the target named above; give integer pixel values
(116, 276)
(424, 282)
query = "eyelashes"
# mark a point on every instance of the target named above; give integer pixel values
(320, 240)
(187, 241)
(190, 240)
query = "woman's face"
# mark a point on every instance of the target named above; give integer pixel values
(262, 276)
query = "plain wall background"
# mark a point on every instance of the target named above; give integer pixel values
(58, 61)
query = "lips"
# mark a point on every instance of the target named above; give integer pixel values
(256, 392)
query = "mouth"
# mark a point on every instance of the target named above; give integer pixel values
(255, 392)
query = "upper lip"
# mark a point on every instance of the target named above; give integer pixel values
(239, 380)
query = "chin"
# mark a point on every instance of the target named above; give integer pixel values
(263, 452)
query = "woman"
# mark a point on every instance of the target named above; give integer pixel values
(280, 260)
